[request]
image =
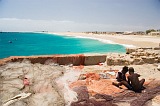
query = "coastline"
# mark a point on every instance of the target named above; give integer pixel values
(61, 75)
(129, 41)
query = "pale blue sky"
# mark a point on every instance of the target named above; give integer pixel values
(79, 15)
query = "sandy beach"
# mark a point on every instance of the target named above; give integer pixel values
(126, 40)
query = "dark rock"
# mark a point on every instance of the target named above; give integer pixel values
(82, 93)
(103, 96)
(145, 96)
(97, 100)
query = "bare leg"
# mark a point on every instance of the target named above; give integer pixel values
(125, 83)
(115, 84)
(141, 83)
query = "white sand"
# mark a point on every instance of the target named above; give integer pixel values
(126, 40)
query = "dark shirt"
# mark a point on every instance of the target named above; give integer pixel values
(121, 77)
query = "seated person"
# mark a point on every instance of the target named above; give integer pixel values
(121, 78)
(134, 83)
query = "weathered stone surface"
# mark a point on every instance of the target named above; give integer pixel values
(96, 100)
(79, 59)
(82, 93)
(103, 96)
(158, 67)
(150, 60)
(130, 50)
(94, 60)
(155, 60)
(157, 48)
(133, 54)
(158, 57)
(140, 50)
(137, 61)
(156, 101)
(117, 61)
(147, 56)
(145, 96)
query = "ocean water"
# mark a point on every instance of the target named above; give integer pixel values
(27, 44)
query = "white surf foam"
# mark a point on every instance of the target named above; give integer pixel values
(105, 41)
(99, 39)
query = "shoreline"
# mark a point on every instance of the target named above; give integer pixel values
(61, 75)
(128, 41)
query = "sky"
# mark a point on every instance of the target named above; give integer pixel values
(79, 15)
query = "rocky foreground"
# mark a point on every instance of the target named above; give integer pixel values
(134, 56)
(78, 81)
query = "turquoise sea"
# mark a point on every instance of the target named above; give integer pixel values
(27, 44)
